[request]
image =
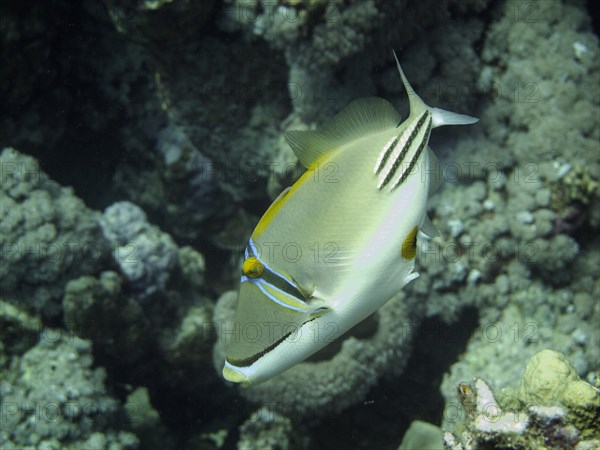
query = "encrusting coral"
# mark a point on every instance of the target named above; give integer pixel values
(552, 409)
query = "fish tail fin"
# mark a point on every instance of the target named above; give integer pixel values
(442, 117)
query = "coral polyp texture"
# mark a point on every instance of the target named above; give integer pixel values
(141, 142)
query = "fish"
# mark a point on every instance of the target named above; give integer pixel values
(342, 240)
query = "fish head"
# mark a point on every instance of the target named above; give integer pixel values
(270, 332)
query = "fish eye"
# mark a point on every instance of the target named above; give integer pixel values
(252, 267)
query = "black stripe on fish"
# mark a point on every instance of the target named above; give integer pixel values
(396, 163)
(415, 157)
(386, 152)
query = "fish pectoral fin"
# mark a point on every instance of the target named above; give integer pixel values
(318, 307)
(307, 290)
(315, 305)
(360, 118)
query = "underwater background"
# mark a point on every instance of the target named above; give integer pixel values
(142, 140)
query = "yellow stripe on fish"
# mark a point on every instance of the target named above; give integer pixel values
(331, 250)
(285, 195)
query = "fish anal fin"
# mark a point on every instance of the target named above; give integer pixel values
(427, 227)
(410, 277)
(435, 173)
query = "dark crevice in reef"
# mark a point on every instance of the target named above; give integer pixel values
(55, 93)
(414, 395)
(594, 12)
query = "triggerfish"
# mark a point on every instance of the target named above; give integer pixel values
(338, 244)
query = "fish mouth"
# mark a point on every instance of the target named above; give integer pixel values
(235, 376)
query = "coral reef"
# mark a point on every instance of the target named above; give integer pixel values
(19, 331)
(320, 40)
(145, 256)
(552, 409)
(145, 421)
(267, 430)
(146, 21)
(95, 308)
(422, 435)
(191, 185)
(55, 398)
(153, 306)
(48, 235)
(168, 116)
(530, 267)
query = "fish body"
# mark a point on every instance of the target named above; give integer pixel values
(337, 245)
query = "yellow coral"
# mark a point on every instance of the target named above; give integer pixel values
(578, 187)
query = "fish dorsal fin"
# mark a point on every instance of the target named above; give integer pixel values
(415, 102)
(360, 118)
